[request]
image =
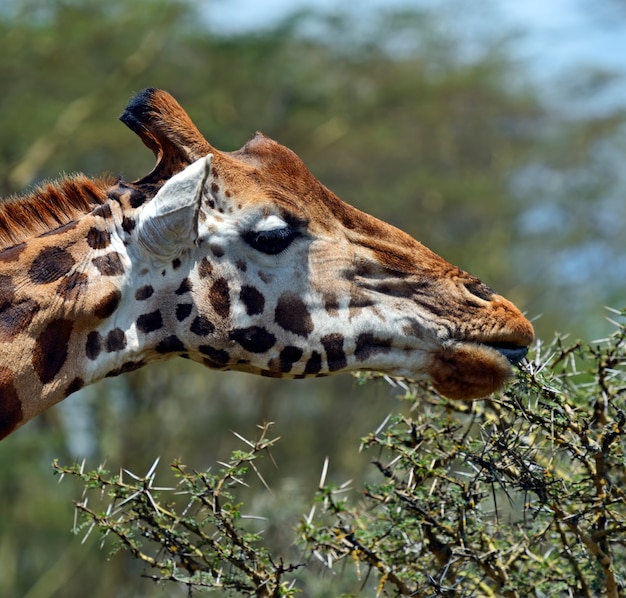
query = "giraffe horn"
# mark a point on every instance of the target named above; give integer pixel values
(167, 130)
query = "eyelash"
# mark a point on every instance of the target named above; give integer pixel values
(271, 242)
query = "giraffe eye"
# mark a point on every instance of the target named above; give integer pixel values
(271, 241)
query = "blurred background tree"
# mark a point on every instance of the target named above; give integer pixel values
(415, 116)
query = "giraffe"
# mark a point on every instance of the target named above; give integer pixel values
(237, 260)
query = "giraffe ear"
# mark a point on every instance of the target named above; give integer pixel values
(168, 224)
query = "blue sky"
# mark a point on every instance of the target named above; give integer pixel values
(569, 31)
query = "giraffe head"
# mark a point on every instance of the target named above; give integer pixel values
(238, 260)
(245, 261)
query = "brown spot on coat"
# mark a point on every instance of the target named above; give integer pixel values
(50, 264)
(143, 293)
(253, 300)
(115, 340)
(254, 339)
(205, 268)
(288, 356)
(98, 238)
(331, 303)
(367, 345)
(314, 364)
(183, 310)
(72, 286)
(51, 349)
(93, 345)
(108, 304)
(16, 317)
(358, 301)
(150, 322)
(7, 291)
(137, 198)
(220, 298)
(185, 287)
(292, 314)
(335, 355)
(12, 254)
(128, 224)
(109, 264)
(10, 406)
(202, 326)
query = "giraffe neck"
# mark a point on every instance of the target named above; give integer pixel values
(57, 291)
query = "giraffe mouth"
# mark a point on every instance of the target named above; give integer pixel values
(473, 370)
(513, 353)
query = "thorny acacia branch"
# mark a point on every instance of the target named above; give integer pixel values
(519, 495)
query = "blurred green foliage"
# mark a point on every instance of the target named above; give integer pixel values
(400, 116)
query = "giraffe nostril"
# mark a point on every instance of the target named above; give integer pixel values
(480, 290)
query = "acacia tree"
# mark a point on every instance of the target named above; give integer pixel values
(518, 495)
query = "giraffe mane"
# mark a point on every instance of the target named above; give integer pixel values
(49, 206)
